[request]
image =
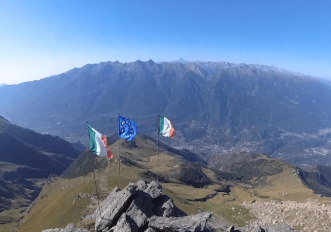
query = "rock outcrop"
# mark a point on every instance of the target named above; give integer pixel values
(181, 224)
(147, 210)
(113, 206)
(141, 207)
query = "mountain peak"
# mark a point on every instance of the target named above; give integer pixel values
(150, 62)
(3, 120)
(182, 61)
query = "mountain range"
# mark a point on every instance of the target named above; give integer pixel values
(215, 107)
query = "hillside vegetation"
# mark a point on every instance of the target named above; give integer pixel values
(194, 187)
(26, 159)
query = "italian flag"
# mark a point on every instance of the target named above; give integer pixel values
(98, 143)
(165, 127)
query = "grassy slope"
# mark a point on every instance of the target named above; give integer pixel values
(56, 208)
(9, 219)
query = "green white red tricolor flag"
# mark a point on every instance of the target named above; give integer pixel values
(165, 127)
(98, 143)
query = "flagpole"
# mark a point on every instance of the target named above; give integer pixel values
(157, 164)
(95, 183)
(96, 189)
(119, 160)
(119, 169)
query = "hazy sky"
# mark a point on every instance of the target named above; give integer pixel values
(47, 37)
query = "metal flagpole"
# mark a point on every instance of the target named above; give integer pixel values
(96, 189)
(95, 183)
(119, 169)
(119, 160)
(157, 164)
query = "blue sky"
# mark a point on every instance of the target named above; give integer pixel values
(43, 38)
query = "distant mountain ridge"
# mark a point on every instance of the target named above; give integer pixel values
(215, 107)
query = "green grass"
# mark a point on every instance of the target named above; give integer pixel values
(56, 208)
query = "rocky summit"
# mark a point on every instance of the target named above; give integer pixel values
(142, 207)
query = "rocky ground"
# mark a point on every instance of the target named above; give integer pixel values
(308, 216)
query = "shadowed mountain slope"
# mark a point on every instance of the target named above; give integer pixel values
(26, 159)
(47, 143)
(317, 178)
(34, 155)
(39, 164)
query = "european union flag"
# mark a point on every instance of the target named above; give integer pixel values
(127, 129)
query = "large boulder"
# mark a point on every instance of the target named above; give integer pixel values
(165, 207)
(122, 225)
(181, 224)
(113, 206)
(141, 207)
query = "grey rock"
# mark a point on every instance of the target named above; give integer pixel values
(53, 230)
(149, 230)
(278, 228)
(122, 225)
(259, 229)
(69, 228)
(164, 207)
(91, 216)
(217, 223)
(73, 228)
(231, 228)
(181, 224)
(113, 206)
(154, 189)
(141, 185)
(168, 208)
(141, 207)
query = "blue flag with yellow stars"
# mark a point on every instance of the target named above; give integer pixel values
(127, 129)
